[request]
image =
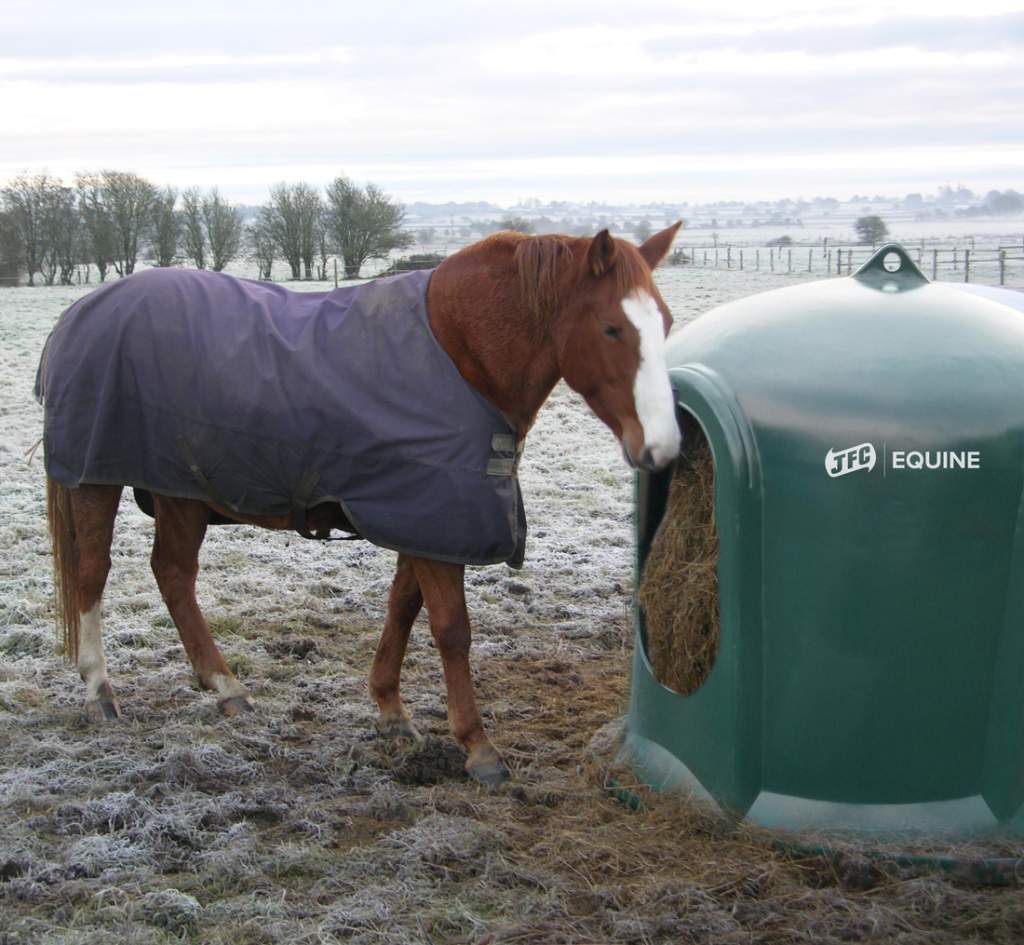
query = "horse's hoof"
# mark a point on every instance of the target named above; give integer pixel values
(493, 774)
(103, 710)
(400, 728)
(237, 704)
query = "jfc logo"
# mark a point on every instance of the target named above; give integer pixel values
(850, 460)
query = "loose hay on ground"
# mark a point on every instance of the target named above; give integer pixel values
(679, 588)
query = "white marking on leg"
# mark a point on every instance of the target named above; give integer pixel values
(92, 664)
(652, 392)
(226, 687)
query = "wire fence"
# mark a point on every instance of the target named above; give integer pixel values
(994, 265)
(951, 261)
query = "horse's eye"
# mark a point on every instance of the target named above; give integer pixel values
(610, 331)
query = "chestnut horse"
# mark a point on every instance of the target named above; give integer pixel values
(515, 314)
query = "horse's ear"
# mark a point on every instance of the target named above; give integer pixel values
(656, 248)
(602, 252)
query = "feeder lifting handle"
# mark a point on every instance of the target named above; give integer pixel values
(892, 270)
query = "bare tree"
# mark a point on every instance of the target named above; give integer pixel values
(261, 244)
(42, 214)
(100, 238)
(364, 224)
(292, 218)
(70, 242)
(324, 247)
(129, 200)
(871, 228)
(192, 232)
(59, 230)
(309, 209)
(280, 216)
(223, 222)
(1007, 202)
(166, 227)
(22, 199)
(10, 250)
(642, 231)
(517, 224)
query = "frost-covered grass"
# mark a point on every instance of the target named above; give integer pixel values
(298, 824)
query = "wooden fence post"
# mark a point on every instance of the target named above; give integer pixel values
(741, 260)
(935, 264)
(757, 260)
(954, 259)
(829, 261)
(705, 257)
(716, 257)
(1002, 266)
(335, 272)
(810, 253)
(789, 257)
(967, 264)
(772, 258)
(728, 257)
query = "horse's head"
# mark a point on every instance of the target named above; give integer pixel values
(612, 348)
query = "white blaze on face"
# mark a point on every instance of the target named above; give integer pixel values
(652, 393)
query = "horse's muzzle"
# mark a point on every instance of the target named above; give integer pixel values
(653, 462)
(650, 460)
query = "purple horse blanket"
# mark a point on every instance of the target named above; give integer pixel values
(269, 402)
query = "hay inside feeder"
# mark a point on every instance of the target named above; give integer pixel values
(679, 586)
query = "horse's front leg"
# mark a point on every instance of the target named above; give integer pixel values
(445, 596)
(180, 529)
(403, 607)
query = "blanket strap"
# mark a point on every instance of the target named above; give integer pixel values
(193, 465)
(300, 499)
(300, 502)
(505, 466)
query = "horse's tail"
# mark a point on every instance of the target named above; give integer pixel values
(62, 537)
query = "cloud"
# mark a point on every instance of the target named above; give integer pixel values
(182, 69)
(45, 29)
(946, 34)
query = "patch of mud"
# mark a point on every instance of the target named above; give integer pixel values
(432, 760)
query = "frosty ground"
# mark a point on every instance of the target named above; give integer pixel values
(299, 824)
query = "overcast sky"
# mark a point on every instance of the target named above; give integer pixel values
(620, 101)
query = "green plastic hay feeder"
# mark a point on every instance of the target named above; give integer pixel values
(868, 439)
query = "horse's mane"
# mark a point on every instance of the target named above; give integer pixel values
(543, 264)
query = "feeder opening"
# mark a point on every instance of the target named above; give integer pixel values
(678, 592)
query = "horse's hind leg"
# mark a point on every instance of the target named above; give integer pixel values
(180, 529)
(93, 510)
(403, 606)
